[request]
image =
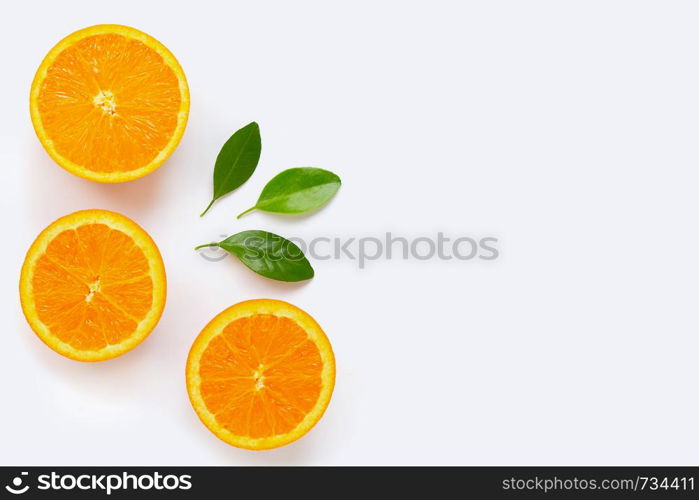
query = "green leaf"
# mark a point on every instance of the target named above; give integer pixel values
(236, 161)
(267, 254)
(297, 190)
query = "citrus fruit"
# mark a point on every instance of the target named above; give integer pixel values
(109, 103)
(92, 285)
(260, 374)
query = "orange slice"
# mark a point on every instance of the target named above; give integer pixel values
(109, 103)
(92, 285)
(260, 374)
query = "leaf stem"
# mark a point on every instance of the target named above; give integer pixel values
(247, 211)
(206, 245)
(207, 208)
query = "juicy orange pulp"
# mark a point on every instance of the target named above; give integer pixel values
(92, 286)
(261, 376)
(110, 103)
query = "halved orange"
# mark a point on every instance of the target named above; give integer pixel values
(93, 285)
(260, 374)
(109, 103)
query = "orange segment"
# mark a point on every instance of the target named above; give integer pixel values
(93, 285)
(261, 374)
(109, 103)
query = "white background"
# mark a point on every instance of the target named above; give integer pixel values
(568, 129)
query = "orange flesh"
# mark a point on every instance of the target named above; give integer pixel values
(109, 103)
(92, 286)
(260, 376)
